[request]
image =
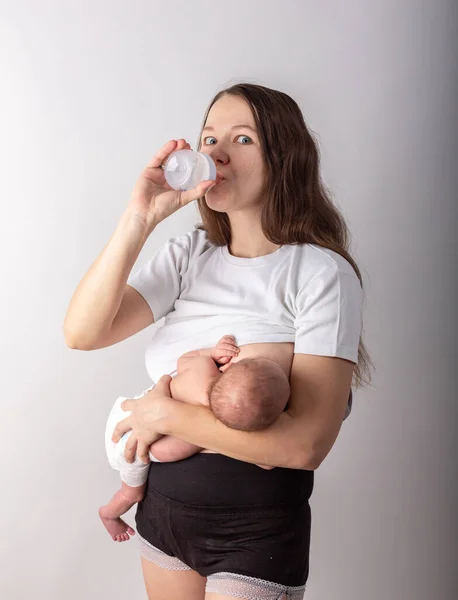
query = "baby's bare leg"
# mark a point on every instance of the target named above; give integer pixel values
(170, 449)
(121, 502)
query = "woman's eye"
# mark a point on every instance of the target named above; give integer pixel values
(246, 137)
(207, 143)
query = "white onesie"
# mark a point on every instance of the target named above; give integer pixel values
(133, 474)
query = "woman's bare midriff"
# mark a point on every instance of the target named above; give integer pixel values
(281, 353)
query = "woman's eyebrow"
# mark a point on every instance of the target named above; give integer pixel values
(209, 128)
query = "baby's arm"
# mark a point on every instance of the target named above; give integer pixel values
(222, 353)
(194, 353)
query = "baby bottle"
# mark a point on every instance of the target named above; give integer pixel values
(185, 169)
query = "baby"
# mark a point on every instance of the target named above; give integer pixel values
(247, 395)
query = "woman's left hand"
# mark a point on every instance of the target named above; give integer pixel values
(144, 421)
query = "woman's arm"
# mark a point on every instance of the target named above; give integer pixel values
(299, 439)
(100, 294)
(98, 298)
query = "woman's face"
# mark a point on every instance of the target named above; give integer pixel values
(231, 139)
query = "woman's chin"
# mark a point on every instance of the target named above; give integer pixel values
(217, 199)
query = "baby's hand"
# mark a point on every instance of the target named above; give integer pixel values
(225, 350)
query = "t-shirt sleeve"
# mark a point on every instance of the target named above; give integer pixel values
(159, 280)
(329, 315)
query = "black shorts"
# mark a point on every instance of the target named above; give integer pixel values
(217, 514)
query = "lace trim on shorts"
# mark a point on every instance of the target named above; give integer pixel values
(251, 588)
(156, 556)
(229, 584)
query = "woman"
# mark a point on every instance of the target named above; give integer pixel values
(272, 249)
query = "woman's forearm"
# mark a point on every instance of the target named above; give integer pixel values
(98, 296)
(281, 445)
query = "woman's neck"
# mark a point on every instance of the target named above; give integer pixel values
(247, 238)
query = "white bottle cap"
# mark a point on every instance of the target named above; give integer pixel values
(185, 169)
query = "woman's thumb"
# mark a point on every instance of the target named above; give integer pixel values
(204, 186)
(197, 192)
(164, 382)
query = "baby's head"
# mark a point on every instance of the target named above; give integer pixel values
(250, 395)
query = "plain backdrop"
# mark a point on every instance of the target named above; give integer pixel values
(89, 92)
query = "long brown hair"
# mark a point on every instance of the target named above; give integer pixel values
(297, 207)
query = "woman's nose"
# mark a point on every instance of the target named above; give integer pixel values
(218, 155)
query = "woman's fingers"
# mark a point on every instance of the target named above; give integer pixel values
(165, 152)
(128, 404)
(143, 452)
(160, 156)
(197, 192)
(131, 448)
(121, 428)
(163, 386)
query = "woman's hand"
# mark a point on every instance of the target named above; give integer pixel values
(152, 198)
(144, 421)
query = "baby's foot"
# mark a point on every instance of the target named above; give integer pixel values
(116, 527)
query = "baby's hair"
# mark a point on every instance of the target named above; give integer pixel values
(250, 395)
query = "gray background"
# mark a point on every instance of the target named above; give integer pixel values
(89, 92)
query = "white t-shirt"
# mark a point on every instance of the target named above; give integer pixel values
(304, 293)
